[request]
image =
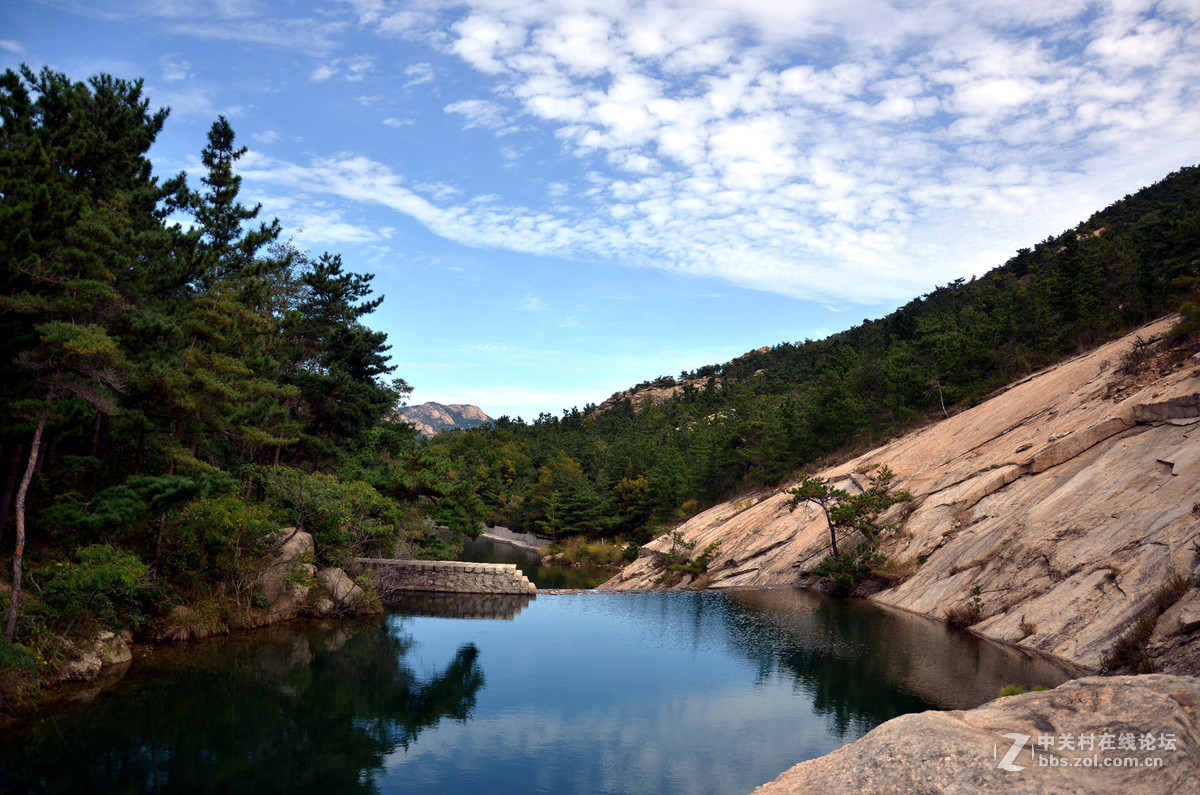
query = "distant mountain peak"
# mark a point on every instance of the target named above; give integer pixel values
(432, 418)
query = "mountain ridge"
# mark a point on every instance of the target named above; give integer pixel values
(432, 418)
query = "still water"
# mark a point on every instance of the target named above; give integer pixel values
(588, 692)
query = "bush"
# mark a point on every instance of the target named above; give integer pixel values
(103, 584)
(676, 563)
(847, 571)
(218, 539)
(1129, 651)
(578, 551)
(346, 519)
(19, 680)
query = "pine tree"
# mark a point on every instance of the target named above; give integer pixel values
(74, 187)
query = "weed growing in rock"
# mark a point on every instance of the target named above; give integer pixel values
(1129, 651)
(966, 614)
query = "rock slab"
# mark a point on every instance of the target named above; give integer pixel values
(1063, 503)
(1046, 742)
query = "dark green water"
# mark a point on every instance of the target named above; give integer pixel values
(590, 693)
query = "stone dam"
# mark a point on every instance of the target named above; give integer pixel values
(392, 577)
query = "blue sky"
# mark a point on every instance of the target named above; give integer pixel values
(562, 199)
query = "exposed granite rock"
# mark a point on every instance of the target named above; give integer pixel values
(1067, 500)
(432, 418)
(108, 652)
(282, 583)
(343, 593)
(980, 750)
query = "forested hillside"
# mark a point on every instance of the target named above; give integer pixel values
(178, 381)
(631, 467)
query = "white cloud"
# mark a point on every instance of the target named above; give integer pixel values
(483, 113)
(175, 70)
(323, 72)
(850, 150)
(396, 123)
(8, 45)
(352, 70)
(419, 74)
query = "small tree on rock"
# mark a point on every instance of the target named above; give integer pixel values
(845, 512)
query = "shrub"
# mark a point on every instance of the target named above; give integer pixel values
(103, 584)
(219, 539)
(346, 519)
(1129, 650)
(847, 571)
(676, 563)
(578, 551)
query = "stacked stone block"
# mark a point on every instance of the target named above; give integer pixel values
(442, 576)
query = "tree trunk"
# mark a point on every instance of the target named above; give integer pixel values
(162, 528)
(19, 552)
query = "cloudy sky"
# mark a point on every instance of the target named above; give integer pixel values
(562, 199)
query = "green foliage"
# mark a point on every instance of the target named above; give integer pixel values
(218, 539)
(848, 570)
(346, 518)
(20, 682)
(103, 584)
(578, 551)
(677, 562)
(846, 513)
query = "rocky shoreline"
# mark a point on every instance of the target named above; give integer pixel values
(1089, 736)
(1057, 515)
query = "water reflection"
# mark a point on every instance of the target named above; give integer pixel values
(651, 692)
(863, 664)
(302, 711)
(458, 605)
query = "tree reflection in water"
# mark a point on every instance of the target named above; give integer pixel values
(300, 710)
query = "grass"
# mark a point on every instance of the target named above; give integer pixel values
(578, 551)
(968, 613)
(1129, 652)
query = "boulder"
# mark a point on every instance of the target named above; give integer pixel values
(109, 652)
(343, 594)
(290, 559)
(1096, 735)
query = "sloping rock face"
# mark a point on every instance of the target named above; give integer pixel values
(1067, 500)
(1098, 735)
(432, 418)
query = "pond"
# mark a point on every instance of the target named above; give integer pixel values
(701, 692)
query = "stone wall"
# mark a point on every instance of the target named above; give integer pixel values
(390, 576)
